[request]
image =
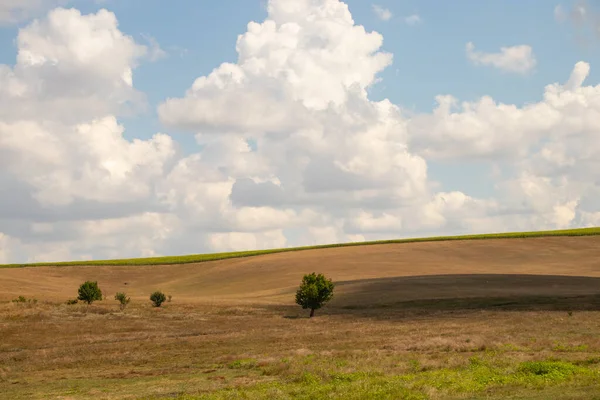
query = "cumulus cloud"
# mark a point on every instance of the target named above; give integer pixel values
(485, 129)
(62, 151)
(383, 14)
(284, 72)
(294, 151)
(299, 90)
(517, 59)
(553, 144)
(71, 68)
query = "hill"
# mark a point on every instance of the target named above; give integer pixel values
(376, 273)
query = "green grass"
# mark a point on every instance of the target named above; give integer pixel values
(195, 258)
(479, 379)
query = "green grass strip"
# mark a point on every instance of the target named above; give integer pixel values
(196, 258)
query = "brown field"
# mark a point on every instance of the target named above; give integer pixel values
(429, 320)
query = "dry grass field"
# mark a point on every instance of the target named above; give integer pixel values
(485, 319)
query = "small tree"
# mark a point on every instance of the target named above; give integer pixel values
(314, 292)
(89, 292)
(122, 299)
(157, 298)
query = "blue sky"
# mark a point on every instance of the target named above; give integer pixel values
(429, 59)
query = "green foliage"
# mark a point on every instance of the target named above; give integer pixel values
(314, 292)
(157, 298)
(122, 299)
(556, 370)
(89, 292)
(195, 258)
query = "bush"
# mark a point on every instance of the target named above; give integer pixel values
(157, 298)
(20, 299)
(89, 292)
(72, 301)
(122, 299)
(314, 292)
(23, 299)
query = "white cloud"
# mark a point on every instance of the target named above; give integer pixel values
(481, 129)
(517, 59)
(299, 90)
(71, 68)
(413, 19)
(485, 129)
(61, 150)
(383, 14)
(553, 145)
(284, 58)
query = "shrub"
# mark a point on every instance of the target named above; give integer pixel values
(72, 301)
(314, 292)
(89, 292)
(122, 299)
(23, 299)
(157, 298)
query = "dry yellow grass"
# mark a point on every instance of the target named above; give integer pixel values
(399, 310)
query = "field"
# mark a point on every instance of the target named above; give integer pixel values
(514, 318)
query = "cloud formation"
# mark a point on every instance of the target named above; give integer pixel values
(517, 59)
(294, 151)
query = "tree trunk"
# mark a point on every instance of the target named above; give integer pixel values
(312, 312)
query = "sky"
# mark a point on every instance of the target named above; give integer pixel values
(137, 128)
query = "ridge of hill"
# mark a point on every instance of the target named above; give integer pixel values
(197, 258)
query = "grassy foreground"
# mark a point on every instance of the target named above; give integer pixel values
(217, 352)
(195, 258)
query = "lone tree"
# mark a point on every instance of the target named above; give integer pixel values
(89, 292)
(314, 292)
(157, 298)
(122, 299)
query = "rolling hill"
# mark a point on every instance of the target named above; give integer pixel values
(540, 265)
